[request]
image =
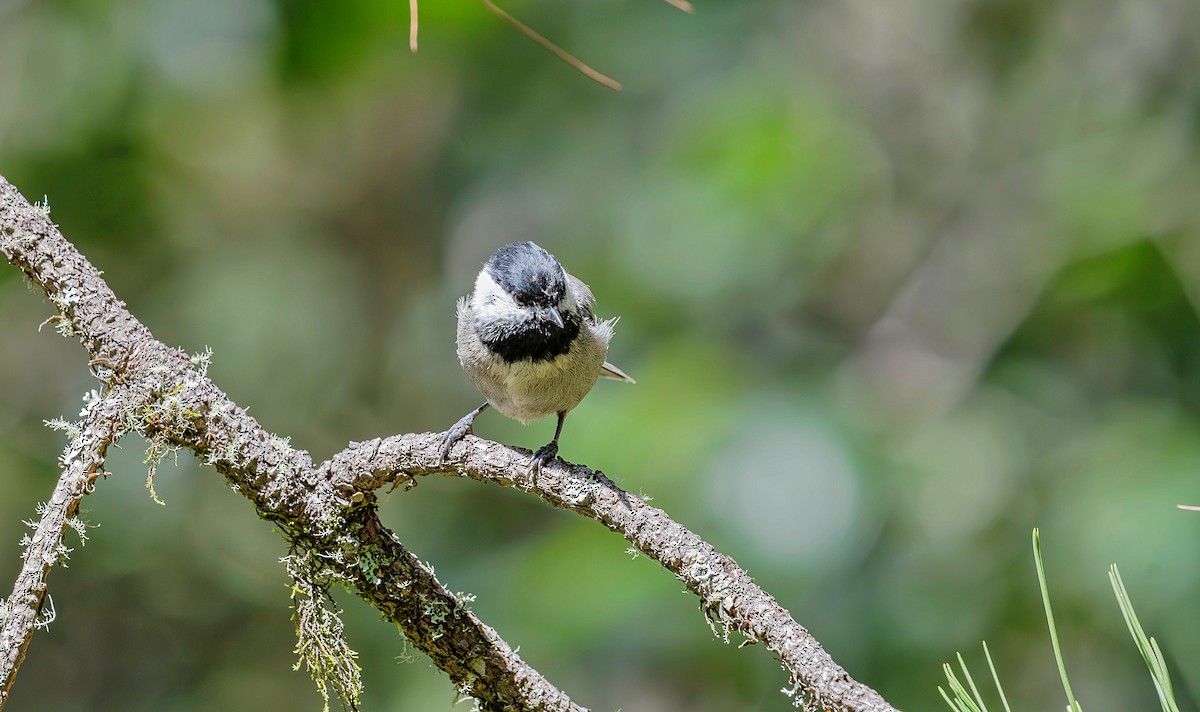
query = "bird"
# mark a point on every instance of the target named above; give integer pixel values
(528, 340)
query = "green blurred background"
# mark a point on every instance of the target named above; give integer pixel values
(899, 281)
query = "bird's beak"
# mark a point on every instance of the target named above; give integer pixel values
(553, 316)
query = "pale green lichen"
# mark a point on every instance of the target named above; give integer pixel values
(72, 428)
(155, 454)
(320, 641)
(370, 567)
(201, 361)
(169, 413)
(409, 653)
(80, 528)
(46, 614)
(43, 206)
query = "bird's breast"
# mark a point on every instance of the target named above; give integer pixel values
(530, 389)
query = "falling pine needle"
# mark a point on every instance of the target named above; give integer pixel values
(683, 5)
(555, 49)
(412, 25)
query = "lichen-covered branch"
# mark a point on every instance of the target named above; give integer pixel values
(328, 512)
(165, 395)
(727, 593)
(82, 462)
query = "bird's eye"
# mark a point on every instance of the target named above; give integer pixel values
(520, 301)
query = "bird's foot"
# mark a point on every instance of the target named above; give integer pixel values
(457, 432)
(545, 454)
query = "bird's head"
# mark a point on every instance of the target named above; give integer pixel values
(523, 304)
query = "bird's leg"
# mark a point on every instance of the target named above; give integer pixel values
(547, 452)
(457, 432)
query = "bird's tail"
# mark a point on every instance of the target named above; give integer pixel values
(610, 371)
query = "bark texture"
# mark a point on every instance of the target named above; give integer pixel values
(328, 511)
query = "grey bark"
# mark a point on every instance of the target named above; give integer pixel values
(329, 510)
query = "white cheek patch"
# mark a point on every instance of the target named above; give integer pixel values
(486, 289)
(491, 301)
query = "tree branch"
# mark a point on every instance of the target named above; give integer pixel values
(728, 595)
(82, 463)
(164, 395)
(329, 513)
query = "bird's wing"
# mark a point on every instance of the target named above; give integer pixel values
(610, 371)
(583, 297)
(583, 294)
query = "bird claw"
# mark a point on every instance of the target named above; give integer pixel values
(545, 454)
(457, 432)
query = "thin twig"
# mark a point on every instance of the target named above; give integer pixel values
(83, 462)
(412, 25)
(553, 48)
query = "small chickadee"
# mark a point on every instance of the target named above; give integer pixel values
(529, 342)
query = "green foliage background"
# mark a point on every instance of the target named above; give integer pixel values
(899, 281)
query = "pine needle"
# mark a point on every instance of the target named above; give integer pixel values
(1072, 704)
(553, 48)
(412, 25)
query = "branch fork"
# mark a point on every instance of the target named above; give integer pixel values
(328, 511)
